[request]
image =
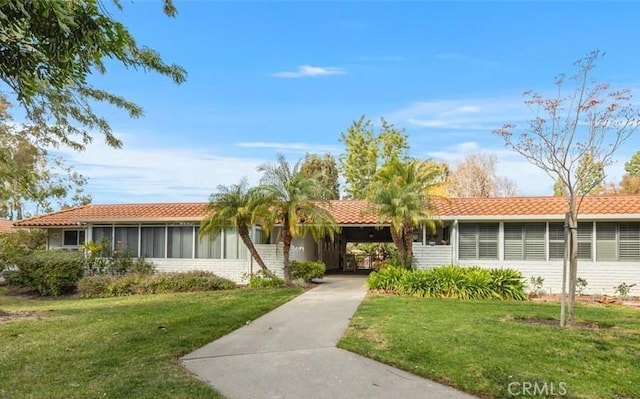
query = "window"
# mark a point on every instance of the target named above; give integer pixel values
(260, 237)
(585, 240)
(208, 247)
(524, 241)
(606, 241)
(152, 241)
(73, 237)
(103, 235)
(618, 241)
(234, 248)
(556, 240)
(478, 241)
(629, 241)
(127, 240)
(180, 242)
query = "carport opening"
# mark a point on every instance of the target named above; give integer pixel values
(366, 248)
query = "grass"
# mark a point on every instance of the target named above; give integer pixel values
(482, 346)
(118, 347)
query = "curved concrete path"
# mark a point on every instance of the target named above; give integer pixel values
(290, 353)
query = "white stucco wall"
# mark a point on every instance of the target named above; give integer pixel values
(601, 277)
(54, 238)
(425, 256)
(233, 269)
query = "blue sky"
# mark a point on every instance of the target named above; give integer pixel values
(288, 77)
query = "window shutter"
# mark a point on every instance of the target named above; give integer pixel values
(488, 241)
(513, 248)
(629, 243)
(534, 238)
(585, 234)
(606, 241)
(467, 248)
(556, 240)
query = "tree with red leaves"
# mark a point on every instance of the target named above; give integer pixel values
(587, 125)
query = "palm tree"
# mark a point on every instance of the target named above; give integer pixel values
(236, 206)
(295, 202)
(401, 195)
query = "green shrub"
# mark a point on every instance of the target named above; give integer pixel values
(121, 263)
(386, 279)
(308, 270)
(11, 251)
(51, 272)
(137, 284)
(395, 261)
(259, 280)
(117, 264)
(508, 283)
(94, 286)
(143, 267)
(416, 283)
(13, 277)
(450, 282)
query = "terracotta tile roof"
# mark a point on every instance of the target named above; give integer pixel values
(119, 213)
(6, 226)
(538, 206)
(351, 211)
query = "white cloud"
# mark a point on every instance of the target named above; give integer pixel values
(467, 114)
(309, 71)
(291, 147)
(139, 173)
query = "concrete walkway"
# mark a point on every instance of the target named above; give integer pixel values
(290, 353)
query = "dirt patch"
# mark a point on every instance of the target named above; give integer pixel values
(556, 322)
(9, 316)
(590, 299)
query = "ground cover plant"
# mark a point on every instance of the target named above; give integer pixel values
(450, 282)
(482, 347)
(126, 347)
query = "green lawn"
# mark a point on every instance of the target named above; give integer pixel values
(482, 347)
(120, 347)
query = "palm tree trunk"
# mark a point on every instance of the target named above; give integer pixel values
(408, 245)
(398, 242)
(286, 248)
(243, 231)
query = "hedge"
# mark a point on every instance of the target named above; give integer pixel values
(451, 282)
(100, 286)
(50, 272)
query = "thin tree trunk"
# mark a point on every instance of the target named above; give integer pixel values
(573, 265)
(399, 243)
(286, 248)
(244, 234)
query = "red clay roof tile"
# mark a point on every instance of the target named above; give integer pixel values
(6, 226)
(349, 211)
